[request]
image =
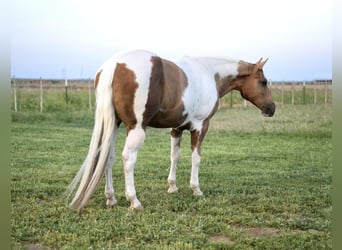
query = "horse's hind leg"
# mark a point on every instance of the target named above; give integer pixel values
(135, 139)
(176, 136)
(109, 189)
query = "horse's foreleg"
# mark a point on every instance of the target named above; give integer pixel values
(135, 139)
(195, 163)
(176, 136)
(196, 143)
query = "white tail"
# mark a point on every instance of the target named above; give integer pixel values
(102, 142)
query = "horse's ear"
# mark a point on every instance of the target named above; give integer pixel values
(261, 63)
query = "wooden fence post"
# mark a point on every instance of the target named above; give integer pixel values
(89, 92)
(293, 94)
(304, 100)
(41, 94)
(315, 92)
(66, 94)
(282, 94)
(15, 94)
(326, 93)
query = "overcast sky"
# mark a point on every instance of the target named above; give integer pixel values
(72, 38)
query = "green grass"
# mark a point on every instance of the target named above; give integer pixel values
(266, 184)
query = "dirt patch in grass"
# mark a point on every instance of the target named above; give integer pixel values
(221, 239)
(36, 247)
(261, 231)
(258, 231)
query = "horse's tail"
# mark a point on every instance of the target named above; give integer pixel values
(101, 143)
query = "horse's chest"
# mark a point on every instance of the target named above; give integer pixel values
(199, 101)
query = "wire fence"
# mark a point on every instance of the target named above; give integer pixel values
(44, 95)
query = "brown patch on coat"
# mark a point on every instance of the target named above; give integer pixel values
(124, 86)
(167, 85)
(176, 133)
(195, 136)
(155, 91)
(97, 78)
(224, 84)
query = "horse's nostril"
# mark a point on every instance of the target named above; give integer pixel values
(269, 109)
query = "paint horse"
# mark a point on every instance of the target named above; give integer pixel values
(140, 89)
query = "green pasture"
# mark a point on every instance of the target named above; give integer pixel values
(266, 182)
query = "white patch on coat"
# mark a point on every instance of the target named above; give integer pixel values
(139, 61)
(201, 94)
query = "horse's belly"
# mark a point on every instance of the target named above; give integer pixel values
(168, 118)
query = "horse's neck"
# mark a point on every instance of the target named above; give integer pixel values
(218, 69)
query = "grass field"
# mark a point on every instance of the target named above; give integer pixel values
(266, 184)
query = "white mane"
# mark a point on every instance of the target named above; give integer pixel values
(223, 66)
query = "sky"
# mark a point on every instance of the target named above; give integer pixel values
(72, 38)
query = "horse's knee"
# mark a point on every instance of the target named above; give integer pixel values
(135, 138)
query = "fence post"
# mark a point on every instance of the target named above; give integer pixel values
(89, 91)
(304, 100)
(315, 92)
(66, 94)
(41, 94)
(282, 93)
(293, 93)
(326, 92)
(15, 94)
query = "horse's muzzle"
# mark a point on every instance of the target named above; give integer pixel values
(269, 109)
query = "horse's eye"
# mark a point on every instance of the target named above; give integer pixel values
(263, 81)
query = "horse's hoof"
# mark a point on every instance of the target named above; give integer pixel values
(172, 189)
(111, 202)
(136, 206)
(197, 192)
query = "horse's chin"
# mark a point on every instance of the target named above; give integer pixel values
(265, 114)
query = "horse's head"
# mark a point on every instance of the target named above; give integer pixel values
(253, 86)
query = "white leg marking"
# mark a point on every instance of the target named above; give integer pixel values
(194, 182)
(135, 139)
(175, 155)
(109, 189)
